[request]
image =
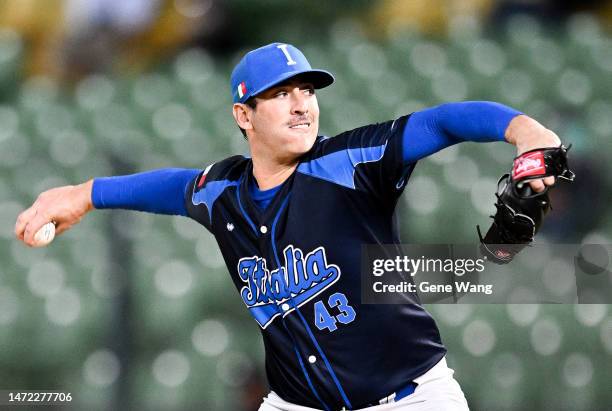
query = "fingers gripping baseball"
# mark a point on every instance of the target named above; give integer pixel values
(65, 206)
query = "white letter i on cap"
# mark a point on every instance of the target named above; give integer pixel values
(290, 61)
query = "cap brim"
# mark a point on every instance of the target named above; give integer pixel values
(318, 78)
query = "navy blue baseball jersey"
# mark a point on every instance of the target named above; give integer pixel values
(297, 264)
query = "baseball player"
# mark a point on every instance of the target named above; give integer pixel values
(290, 221)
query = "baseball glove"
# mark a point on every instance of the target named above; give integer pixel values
(520, 210)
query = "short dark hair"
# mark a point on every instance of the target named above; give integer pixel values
(251, 102)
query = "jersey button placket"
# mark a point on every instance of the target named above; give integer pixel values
(263, 238)
(287, 306)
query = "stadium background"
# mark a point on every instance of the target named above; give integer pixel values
(134, 311)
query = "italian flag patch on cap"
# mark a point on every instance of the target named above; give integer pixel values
(241, 90)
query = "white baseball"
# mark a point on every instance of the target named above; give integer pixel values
(45, 235)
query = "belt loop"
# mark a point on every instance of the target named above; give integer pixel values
(403, 393)
(389, 399)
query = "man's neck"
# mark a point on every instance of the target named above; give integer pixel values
(271, 175)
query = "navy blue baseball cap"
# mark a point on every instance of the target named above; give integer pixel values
(270, 65)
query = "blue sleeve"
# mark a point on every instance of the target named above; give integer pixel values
(158, 191)
(433, 129)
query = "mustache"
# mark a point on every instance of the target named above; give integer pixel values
(299, 120)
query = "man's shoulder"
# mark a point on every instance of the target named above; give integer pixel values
(364, 136)
(230, 168)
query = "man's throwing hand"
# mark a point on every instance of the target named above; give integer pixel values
(65, 206)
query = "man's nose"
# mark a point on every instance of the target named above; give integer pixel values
(299, 102)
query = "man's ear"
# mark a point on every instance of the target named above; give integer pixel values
(242, 115)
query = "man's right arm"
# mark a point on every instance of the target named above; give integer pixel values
(159, 191)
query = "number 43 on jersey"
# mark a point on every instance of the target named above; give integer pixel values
(323, 317)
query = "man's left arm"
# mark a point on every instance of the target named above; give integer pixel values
(433, 129)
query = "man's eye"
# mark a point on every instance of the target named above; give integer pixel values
(281, 94)
(309, 91)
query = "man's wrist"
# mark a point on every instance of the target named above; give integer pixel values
(527, 134)
(86, 190)
(519, 128)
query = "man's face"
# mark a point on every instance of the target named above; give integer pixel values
(285, 123)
